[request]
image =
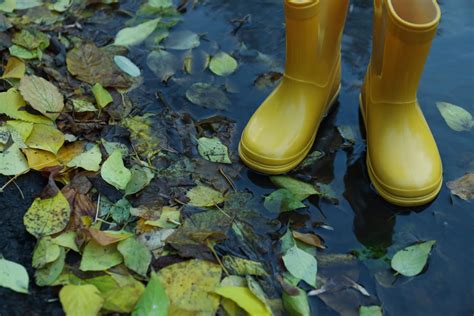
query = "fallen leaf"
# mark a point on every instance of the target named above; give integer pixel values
(13, 276)
(45, 252)
(411, 260)
(160, 3)
(281, 201)
(244, 298)
(243, 267)
(45, 137)
(135, 35)
(135, 255)
(310, 239)
(182, 40)
(196, 61)
(48, 216)
(80, 300)
(154, 301)
(169, 218)
(120, 211)
(208, 96)
(124, 297)
(8, 6)
(222, 64)
(301, 265)
(102, 96)
(30, 38)
(20, 131)
(13, 106)
(114, 172)
(204, 196)
(163, 64)
(141, 177)
(83, 106)
(89, 160)
(455, 116)
(15, 69)
(23, 53)
(67, 240)
(300, 189)
(12, 161)
(42, 96)
(462, 187)
(373, 310)
(108, 237)
(97, 258)
(189, 286)
(295, 302)
(48, 275)
(213, 150)
(127, 66)
(40, 159)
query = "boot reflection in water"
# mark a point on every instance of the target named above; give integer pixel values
(282, 131)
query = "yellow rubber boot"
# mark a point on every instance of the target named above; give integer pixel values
(281, 132)
(402, 157)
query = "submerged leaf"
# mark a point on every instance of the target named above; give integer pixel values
(13, 276)
(282, 200)
(208, 96)
(163, 64)
(455, 116)
(204, 196)
(114, 172)
(222, 64)
(462, 187)
(135, 35)
(411, 260)
(300, 189)
(154, 301)
(373, 310)
(80, 300)
(182, 40)
(213, 150)
(301, 265)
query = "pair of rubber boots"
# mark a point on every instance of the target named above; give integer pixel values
(403, 161)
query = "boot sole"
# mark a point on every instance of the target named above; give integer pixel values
(284, 168)
(389, 196)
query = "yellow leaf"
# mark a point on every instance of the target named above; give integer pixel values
(15, 68)
(80, 300)
(20, 131)
(102, 96)
(45, 137)
(245, 299)
(40, 159)
(70, 151)
(12, 161)
(12, 104)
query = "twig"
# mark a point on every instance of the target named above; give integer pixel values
(21, 192)
(12, 179)
(228, 179)
(97, 209)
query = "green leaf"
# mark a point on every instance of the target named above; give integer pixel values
(222, 64)
(67, 240)
(141, 177)
(31, 39)
(282, 200)
(22, 53)
(411, 260)
(48, 275)
(213, 150)
(163, 64)
(13, 162)
(300, 189)
(136, 256)
(45, 252)
(296, 304)
(204, 196)
(160, 3)
(208, 96)
(373, 310)
(455, 116)
(182, 40)
(13, 276)
(48, 216)
(102, 96)
(89, 160)
(99, 258)
(83, 106)
(135, 35)
(120, 211)
(154, 301)
(122, 299)
(27, 4)
(42, 96)
(462, 187)
(244, 298)
(114, 172)
(301, 265)
(240, 266)
(127, 66)
(8, 5)
(81, 300)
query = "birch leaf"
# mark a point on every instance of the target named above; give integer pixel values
(13, 276)
(222, 64)
(12, 161)
(114, 172)
(455, 116)
(42, 96)
(135, 35)
(213, 150)
(411, 260)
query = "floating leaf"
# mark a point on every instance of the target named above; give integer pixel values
(114, 172)
(189, 286)
(300, 189)
(135, 35)
(13, 106)
(309, 239)
(80, 300)
(301, 265)
(154, 301)
(182, 40)
(208, 96)
(127, 66)
(45, 137)
(295, 303)
(222, 64)
(411, 260)
(196, 61)
(98, 258)
(89, 160)
(213, 150)
(163, 64)
(373, 310)
(45, 252)
(347, 134)
(48, 216)
(135, 255)
(204, 196)
(282, 200)
(455, 116)
(462, 187)
(244, 298)
(15, 68)
(13, 276)
(42, 96)
(102, 96)
(12, 161)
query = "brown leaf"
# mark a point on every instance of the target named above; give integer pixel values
(463, 187)
(310, 239)
(42, 96)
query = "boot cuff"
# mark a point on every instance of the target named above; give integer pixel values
(301, 10)
(414, 16)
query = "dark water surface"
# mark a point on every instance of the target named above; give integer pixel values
(362, 221)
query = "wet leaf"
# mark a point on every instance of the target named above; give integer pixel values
(282, 200)
(244, 298)
(15, 69)
(189, 286)
(102, 96)
(135, 255)
(267, 80)
(154, 301)
(45, 252)
(13, 106)
(310, 239)
(455, 116)
(411, 260)
(13, 276)
(98, 258)
(204, 196)
(462, 187)
(114, 172)
(301, 265)
(127, 66)
(42, 96)
(80, 300)
(45, 137)
(160, 3)
(295, 300)
(347, 134)
(48, 216)
(50, 273)
(141, 177)
(88, 160)
(208, 96)
(300, 189)
(135, 35)
(243, 267)
(213, 150)
(196, 61)
(182, 40)
(163, 64)
(373, 310)
(222, 64)
(12, 161)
